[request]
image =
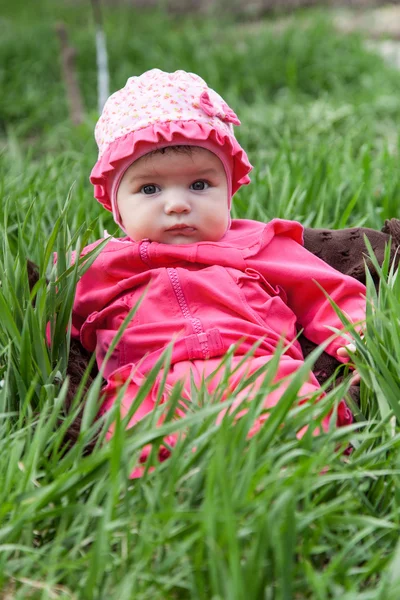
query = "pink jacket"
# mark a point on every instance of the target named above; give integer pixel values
(255, 284)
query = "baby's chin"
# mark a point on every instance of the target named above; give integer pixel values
(179, 238)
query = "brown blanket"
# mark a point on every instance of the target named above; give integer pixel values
(343, 249)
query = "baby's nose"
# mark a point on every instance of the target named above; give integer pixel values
(177, 202)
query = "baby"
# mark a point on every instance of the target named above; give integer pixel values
(168, 166)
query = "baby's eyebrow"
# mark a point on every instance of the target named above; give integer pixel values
(144, 177)
(202, 172)
(209, 171)
(151, 175)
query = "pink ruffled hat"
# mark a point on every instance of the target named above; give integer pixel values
(156, 110)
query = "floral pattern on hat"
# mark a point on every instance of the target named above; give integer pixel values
(180, 96)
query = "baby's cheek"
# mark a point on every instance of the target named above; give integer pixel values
(225, 223)
(217, 229)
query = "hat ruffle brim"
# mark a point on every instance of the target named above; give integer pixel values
(137, 143)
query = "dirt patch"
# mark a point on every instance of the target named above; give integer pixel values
(375, 23)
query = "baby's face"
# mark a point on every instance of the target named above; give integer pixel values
(175, 198)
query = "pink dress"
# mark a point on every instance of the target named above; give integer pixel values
(257, 284)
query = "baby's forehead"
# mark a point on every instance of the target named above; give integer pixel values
(163, 160)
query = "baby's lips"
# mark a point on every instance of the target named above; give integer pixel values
(223, 112)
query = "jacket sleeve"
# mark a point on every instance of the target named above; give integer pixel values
(87, 295)
(117, 269)
(95, 289)
(284, 262)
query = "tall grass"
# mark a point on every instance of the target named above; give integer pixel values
(225, 516)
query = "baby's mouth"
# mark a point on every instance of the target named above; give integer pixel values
(181, 228)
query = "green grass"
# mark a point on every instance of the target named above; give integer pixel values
(225, 517)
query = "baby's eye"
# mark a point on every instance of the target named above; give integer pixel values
(200, 185)
(149, 189)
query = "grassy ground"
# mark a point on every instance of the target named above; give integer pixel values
(271, 517)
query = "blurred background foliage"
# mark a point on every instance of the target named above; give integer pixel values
(318, 109)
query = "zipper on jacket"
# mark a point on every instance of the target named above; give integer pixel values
(196, 323)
